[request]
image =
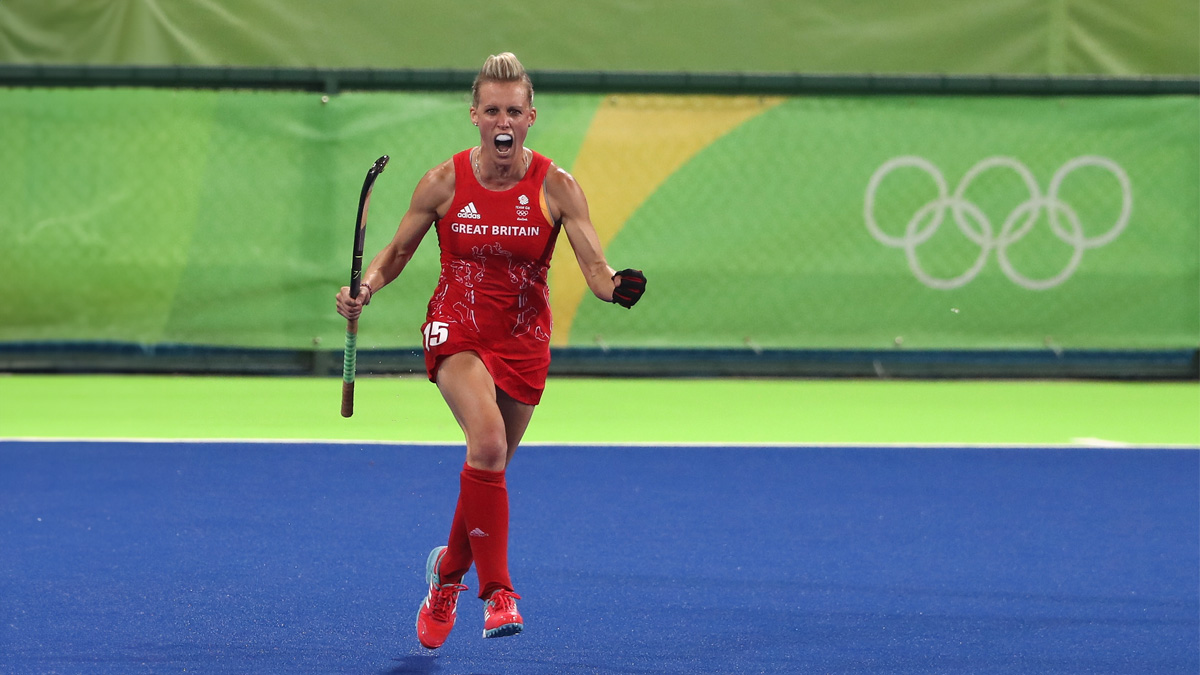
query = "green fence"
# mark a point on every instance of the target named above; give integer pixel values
(874, 187)
(224, 218)
(1054, 37)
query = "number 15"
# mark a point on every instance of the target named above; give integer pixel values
(436, 333)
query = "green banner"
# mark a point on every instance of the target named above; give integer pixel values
(928, 223)
(1097, 37)
(226, 218)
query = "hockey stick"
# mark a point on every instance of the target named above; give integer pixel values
(350, 354)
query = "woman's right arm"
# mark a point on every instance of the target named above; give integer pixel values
(430, 199)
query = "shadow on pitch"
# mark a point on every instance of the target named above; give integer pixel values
(415, 665)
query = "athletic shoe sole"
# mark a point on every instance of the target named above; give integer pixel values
(504, 631)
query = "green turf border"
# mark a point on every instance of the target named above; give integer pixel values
(607, 411)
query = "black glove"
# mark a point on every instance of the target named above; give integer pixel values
(629, 291)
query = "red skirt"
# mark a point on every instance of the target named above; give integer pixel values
(521, 376)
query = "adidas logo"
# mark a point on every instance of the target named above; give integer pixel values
(469, 211)
(477, 533)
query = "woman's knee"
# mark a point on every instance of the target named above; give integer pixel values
(487, 451)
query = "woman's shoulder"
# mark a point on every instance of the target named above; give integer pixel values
(442, 173)
(558, 178)
(437, 185)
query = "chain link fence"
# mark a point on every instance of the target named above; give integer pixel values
(223, 219)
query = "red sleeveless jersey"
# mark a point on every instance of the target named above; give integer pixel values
(492, 296)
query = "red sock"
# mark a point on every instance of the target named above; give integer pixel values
(457, 559)
(483, 499)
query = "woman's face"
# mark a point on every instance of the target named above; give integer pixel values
(504, 115)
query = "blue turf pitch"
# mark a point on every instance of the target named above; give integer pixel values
(261, 558)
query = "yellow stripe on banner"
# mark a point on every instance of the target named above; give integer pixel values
(633, 145)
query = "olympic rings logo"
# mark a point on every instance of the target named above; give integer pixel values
(975, 225)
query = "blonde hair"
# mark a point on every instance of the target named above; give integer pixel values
(501, 68)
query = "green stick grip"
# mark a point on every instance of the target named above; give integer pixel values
(349, 358)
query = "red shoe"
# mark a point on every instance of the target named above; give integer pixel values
(500, 615)
(436, 617)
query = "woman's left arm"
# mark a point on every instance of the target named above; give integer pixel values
(568, 205)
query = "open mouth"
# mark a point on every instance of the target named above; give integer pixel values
(504, 142)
